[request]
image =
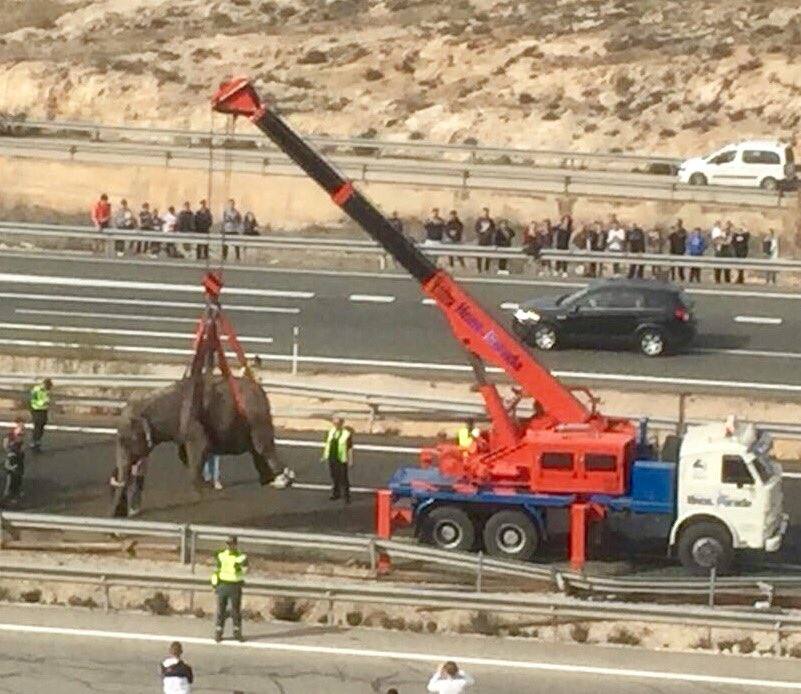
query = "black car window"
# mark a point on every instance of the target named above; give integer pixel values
(658, 299)
(614, 298)
(735, 471)
(724, 157)
(599, 299)
(758, 156)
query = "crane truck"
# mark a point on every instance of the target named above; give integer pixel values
(711, 492)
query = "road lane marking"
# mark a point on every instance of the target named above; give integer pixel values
(140, 302)
(372, 298)
(372, 653)
(59, 281)
(750, 353)
(104, 316)
(115, 331)
(510, 306)
(428, 302)
(758, 320)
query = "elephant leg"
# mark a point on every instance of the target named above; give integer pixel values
(182, 454)
(262, 464)
(196, 450)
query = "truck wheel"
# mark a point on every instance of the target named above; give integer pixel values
(511, 535)
(448, 527)
(769, 183)
(704, 545)
(698, 179)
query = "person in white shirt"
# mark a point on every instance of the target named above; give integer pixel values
(616, 241)
(170, 220)
(449, 679)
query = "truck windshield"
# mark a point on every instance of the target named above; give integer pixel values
(764, 468)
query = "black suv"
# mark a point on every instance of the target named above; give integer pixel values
(654, 316)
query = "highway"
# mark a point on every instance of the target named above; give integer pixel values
(71, 477)
(361, 320)
(82, 652)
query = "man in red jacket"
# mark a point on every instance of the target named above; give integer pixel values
(101, 215)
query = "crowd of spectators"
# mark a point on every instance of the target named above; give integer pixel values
(186, 221)
(611, 236)
(721, 240)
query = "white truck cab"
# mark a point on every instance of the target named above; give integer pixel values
(729, 496)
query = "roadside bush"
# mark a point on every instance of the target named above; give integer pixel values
(726, 645)
(579, 633)
(77, 601)
(252, 615)
(795, 651)
(746, 645)
(286, 610)
(485, 624)
(4, 594)
(431, 627)
(704, 643)
(159, 604)
(623, 636)
(354, 618)
(34, 595)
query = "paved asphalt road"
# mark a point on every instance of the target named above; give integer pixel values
(81, 652)
(71, 477)
(139, 306)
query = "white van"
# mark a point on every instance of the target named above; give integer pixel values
(766, 164)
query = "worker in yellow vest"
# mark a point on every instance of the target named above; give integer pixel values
(338, 453)
(467, 433)
(40, 405)
(228, 579)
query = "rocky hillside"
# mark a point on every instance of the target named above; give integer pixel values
(672, 76)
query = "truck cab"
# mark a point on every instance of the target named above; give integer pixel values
(728, 496)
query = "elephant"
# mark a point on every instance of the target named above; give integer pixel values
(212, 425)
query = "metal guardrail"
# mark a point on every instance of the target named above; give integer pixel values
(418, 148)
(188, 536)
(372, 400)
(463, 176)
(359, 246)
(420, 596)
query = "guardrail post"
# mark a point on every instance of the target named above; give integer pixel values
(329, 613)
(192, 551)
(713, 572)
(167, 158)
(106, 593)
(295, 349)
(778, 631)
(184, 555)
(479, 570)
(681, 419)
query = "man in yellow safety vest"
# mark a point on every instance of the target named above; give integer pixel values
(40, 404)
(338, 453)
(467, 433)
(228, 579)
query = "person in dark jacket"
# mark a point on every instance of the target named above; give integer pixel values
(203, 223)
(146, 223)
(677, 242)
(739, 242)
(503, 239)
(485, 235)
(454, 232)
(14, 465)
(176, 675)
(185, 224)
(563, 232)
(597, 244)
(635, 243)
(434, 227)
(250, 227)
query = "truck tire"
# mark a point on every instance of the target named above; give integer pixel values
(448, 527)
(705, 544)
(511, 535)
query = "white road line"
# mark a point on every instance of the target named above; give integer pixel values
(141, 302)
(510, 306)
(372, 298)
(759, 320)
(57, 281)
(375, 654)
(751, 353)
(428, 302)
(104, 316)
(114, 331)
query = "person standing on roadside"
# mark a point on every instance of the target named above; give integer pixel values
(454, 231)
(770, 249)
(124, 220)
(677, 242)
(485, 235)
(203, 223)
(176, 675)
(40, 407)
(434, 227)
(449, 679)
(338, 453)
(211, 471)
(250, 227)
(635, 243)
(14, 464)
(615, 240)
(739, 242)
(562, 233)
(146, 223)
(503, 239)
(185, 223)
(170, 220)
(101, 216)
(231, 225)
(696, 245)
(228, 579)
(136, 485)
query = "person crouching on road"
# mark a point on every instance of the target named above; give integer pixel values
(14, 465)
(228, 579)
(176, 675)
(40, 405)
(449, 679)
(338, 453)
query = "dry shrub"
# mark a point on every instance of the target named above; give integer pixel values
(623, 636)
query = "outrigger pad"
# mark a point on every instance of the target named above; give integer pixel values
(284, 479)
